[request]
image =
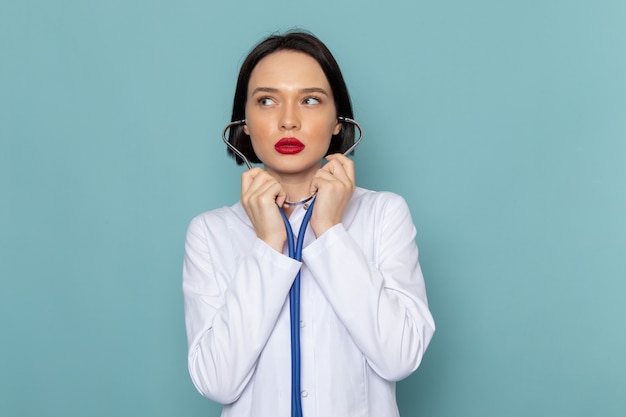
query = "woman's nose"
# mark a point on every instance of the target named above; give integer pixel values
(290, 118)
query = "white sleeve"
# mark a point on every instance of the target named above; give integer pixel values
(230, 311)
(383, 305)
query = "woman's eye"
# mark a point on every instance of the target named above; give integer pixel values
(265, 101)
(312, 100)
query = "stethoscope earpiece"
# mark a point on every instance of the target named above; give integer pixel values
(230, 145)
(358, 126)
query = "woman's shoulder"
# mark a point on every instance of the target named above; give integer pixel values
(373, 204)
(371, 197)
(221, 218)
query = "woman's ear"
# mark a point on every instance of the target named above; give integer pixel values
(245, 129)
(337, 128)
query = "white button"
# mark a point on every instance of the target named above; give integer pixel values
(302, 323)
(304, 393)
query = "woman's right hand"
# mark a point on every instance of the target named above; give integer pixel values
(261, 195)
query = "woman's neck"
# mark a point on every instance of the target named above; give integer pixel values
(297, 187)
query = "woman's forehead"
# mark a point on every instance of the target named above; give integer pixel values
(288, 69)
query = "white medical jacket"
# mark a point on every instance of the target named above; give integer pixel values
(365, 321)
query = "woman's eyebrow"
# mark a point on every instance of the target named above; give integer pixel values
(264, 90)
(303, 90)
(315, 90)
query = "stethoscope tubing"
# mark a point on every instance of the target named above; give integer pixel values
(295, 252)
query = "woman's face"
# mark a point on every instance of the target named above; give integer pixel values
(290, 113)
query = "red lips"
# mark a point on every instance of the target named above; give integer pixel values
(289, 146)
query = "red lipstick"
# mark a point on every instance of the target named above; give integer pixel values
(289, 146)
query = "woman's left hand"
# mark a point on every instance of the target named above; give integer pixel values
(334, 183)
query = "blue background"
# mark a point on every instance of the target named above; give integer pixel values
(503, 124)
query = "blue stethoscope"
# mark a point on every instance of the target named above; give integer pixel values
(295, 252)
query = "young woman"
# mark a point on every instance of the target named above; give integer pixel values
(365, 321)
